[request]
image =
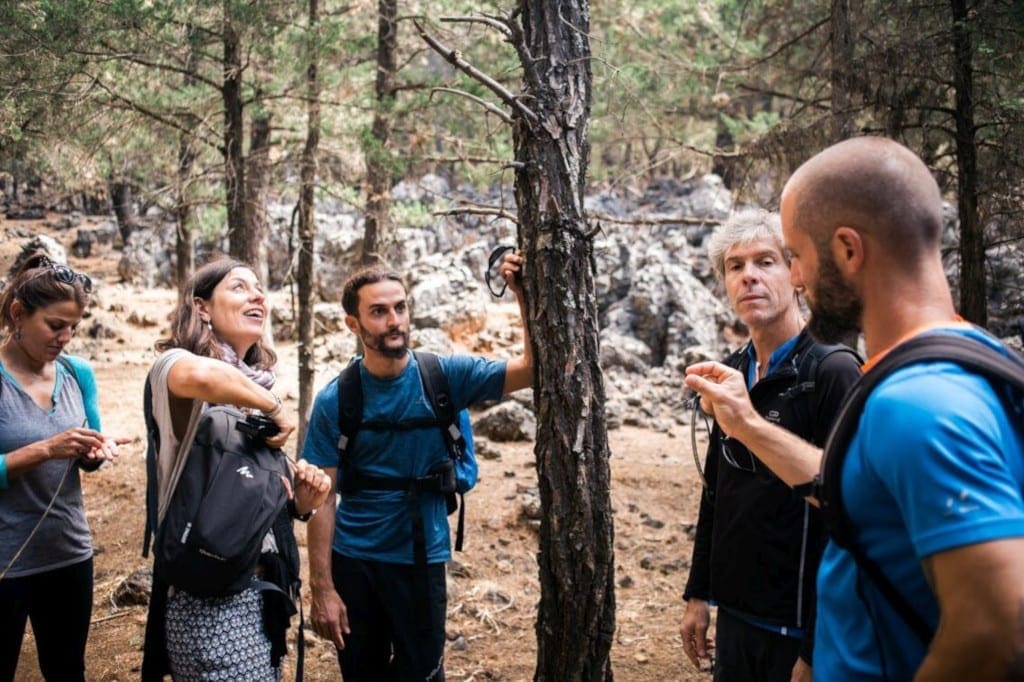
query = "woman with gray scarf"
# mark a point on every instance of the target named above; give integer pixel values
(216, 354)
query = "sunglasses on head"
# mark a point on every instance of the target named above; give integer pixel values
(65, 275)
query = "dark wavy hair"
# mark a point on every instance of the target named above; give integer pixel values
(187, 328)
(35, 285)
(361, 278)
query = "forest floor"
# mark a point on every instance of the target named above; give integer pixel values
(493, 584)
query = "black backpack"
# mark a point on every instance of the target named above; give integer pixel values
(973, 355)
(228, 496)
(440, 480)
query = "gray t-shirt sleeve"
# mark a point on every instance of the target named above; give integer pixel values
(168, 464)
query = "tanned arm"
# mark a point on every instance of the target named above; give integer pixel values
(981, 600)
(724, 395)
(327, 613)
(518, 371)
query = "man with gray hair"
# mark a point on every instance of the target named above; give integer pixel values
(757, 546)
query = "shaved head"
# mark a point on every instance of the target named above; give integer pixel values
(873, 185)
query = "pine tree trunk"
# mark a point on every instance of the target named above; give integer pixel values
(234, 128)
(576, 618)
(184, 213)
(307, 226)
(973, 303)
(122, 197)
(379, 242)
(257, 176)
(842, 62)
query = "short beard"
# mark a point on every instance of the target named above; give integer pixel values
(379, 344)
(836, 308)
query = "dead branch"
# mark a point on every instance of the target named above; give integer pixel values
(488, 106)
(454, 57)
(479, 210)
(486, 20)
(466, 159)
(676, 220)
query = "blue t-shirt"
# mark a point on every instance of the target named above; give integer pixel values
(936, 464)
(375, 524)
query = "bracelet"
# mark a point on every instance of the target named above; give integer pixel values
(294, 513)
(3, 471)
(275, 410)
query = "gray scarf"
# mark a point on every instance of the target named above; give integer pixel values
(263, 377)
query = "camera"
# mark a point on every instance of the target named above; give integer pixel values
(258, 427)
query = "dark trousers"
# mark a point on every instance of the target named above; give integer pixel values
(396, 613)
(747, 653)
(59, 604)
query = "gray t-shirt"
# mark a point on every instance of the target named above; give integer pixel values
(169, 459)
(63, 537)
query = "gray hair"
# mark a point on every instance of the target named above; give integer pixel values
(743, 227)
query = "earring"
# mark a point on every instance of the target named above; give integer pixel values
(17, 334)
(209, 325)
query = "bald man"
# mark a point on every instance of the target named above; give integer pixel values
(932, 480)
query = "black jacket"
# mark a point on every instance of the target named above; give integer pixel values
(757, 545)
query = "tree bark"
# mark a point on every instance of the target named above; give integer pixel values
(576, 615)
(379, 242)
(842, 63)
(122, 197)
(307, 226)
(234, 130)
(257, 177)
(973, 304)
(184, 213)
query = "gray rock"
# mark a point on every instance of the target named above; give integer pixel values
(507, 421)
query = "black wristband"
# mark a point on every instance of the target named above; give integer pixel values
(294, 513)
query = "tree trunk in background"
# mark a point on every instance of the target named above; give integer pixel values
(841, 77)
(122, 197)
(379, 241)
(234, 130)
(576, 615)
(973, 304)
(257, 177)
(184, 213)
(307, 227)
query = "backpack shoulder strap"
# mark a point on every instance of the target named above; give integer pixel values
(152, 450)
(350, 406)
(811, 357)
(972, 355)
(438, 391)
(436, 387)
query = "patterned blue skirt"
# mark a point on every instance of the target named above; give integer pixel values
(216, 639)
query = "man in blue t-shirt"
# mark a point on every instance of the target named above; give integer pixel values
(382, 609)
(932, 480)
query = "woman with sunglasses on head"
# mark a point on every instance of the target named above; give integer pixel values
(216, 354)
(49, 431)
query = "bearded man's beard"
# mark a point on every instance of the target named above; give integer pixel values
(835, 306)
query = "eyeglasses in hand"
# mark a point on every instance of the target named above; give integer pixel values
(745, 459)
(493, 275)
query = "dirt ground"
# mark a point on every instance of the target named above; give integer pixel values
(493, 583)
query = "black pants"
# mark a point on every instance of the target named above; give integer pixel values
(747, 653)
(396, 613)
(59, 604)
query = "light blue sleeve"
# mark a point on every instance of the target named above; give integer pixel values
(321, 444)
(87, 384)
(473, 379)
(940, 441)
